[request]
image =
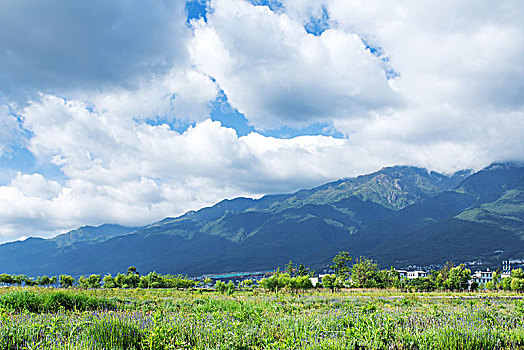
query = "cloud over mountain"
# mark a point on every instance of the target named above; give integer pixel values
(109, 111)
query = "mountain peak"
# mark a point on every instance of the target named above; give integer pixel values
(503, 166)
(91, 233)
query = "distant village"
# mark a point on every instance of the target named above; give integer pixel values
(480, 277)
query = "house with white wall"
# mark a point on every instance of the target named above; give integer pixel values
(482, 277)
(405, 274)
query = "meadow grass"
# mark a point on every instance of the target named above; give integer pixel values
(170, 319)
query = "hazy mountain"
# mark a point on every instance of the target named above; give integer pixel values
(30, 255)
(398, 215)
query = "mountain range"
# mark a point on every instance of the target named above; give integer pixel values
(400, 216)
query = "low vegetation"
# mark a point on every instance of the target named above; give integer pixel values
(174, 319)
(359, 306)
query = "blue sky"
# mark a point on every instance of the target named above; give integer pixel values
(123, 112)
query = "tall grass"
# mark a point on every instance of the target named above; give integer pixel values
(184, 320)
(26, 300)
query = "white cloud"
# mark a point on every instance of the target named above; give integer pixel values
(276, 73)
(458, 101)
(61, 47)
(461, 78)
(126, 171)
(463, 53)
(181, 94)
(35, 185)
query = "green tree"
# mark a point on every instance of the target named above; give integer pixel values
(330, 281)
(517, 273)
(131, 270)
(109, 281)
(444, 271)
(93, 281)
(155, 280)
(29, 281)
(66, 281)
(302, 271)
(220, 286)
(82, 282)
(496, 279)
(6, 279)
(474, 286)
(505, 283)
(425, 284)
(18, 279)
(247, 283)
(120, 280)
(490, 286)
(276, 282)
(303, 282)
(289, 268)
(366, 274)
(131, 280)
(390, 278)
(144, 282)
(458, 278)
(44, 281)
(230, 287)
(517, 284)
(340, 265)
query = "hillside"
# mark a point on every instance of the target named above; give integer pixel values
(482, 219)
(398, 215)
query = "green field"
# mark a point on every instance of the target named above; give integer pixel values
(40, 318)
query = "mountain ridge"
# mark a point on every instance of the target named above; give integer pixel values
(387, 215)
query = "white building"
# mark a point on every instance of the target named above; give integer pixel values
(416, 274)
(403, 274)
(482, 277)
(411, 274)
(314, 281)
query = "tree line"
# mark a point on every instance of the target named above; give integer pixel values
(131, 279)
(347, 273)
(365, 273)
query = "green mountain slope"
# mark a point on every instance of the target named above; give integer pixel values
(480, 219)
(399, 215)
(394, 188)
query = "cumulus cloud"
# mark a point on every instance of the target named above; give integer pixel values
(458, 72)
(276, 73)
(460, 76)
(438, 84)
(139, 173)
(455, 73)
(61, 46)
(464, 53)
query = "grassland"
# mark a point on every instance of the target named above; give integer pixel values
(41, 318)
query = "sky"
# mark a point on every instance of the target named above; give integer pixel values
(129, 111)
